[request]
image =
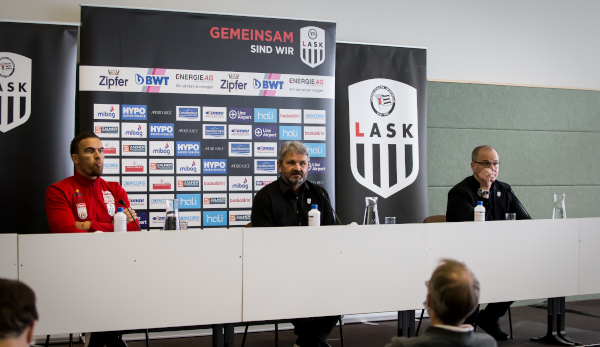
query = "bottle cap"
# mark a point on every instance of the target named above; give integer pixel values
(119, 209)
(314, 206)
(479, 203)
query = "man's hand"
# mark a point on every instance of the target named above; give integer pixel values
(131, 216)
(83, 225)
(485, 178)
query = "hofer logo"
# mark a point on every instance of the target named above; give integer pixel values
(133, 112)
(106, 111)
(237, 114)
(189, 201)
(161, 130)
(290, 133)
(316, 149)
(214, 166)
(188, 148)
(265, 115)
(215, 218)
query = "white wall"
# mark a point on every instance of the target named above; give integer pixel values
(526, 42)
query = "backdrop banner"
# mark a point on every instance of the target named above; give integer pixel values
(38, 63)
(194, 106)
(381, 131)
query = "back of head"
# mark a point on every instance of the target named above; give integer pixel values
(17, 308)
(453, 292)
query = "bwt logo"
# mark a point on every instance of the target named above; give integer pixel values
(267, 84)
(165, 150)
(152, 80)
(188, 148)
(290, 133)
(137, 112)
(265, 115)
(137, 132)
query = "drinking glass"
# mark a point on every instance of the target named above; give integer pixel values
(172, 214)
(390, 220)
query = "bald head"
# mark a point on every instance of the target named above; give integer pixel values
(453, 292)
(475, 153)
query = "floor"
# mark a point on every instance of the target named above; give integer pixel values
(527, 322)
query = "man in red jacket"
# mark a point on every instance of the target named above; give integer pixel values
(85, 202)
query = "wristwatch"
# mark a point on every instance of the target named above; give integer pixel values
(482, 192)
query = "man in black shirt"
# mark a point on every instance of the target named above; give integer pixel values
(286, 202)
(498, 199)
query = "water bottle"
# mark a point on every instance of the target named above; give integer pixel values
(120, 220)
(559, 212)
(314, 216)
(479, 212)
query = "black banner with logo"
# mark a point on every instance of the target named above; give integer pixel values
(381, 131)
(38, 63)
(195, 106)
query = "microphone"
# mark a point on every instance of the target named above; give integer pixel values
(523, 207)
(135, 220)
(325, 196)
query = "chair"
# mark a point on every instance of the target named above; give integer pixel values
(440, 218)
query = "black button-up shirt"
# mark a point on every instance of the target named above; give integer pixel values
(276, 205)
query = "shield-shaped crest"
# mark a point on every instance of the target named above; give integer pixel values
(384, 136)
(312, 46)
(82, 211)
(15, 90)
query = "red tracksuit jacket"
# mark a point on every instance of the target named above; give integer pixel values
(79, 199)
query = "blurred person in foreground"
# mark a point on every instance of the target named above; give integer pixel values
(452, 295)
(18, 314)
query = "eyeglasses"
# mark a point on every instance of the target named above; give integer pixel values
(487, 164)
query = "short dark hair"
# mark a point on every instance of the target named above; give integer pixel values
(79, 138)
(453, 292)
(475, 153)
(17, 308)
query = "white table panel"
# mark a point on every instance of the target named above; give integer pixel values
(513, 260)
(589, 256)
(117, 281)
(330, 270)
(9, 256)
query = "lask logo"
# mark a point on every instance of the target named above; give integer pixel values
(189, 201)
(214, 183)
(215, 218)
(106, 129)
(240, 217)
(15, 90)
(134, 112)
(111, 148)
(265, 166)
(106, 111)
(161, 148)
(240, 183)
(312, 46)
(290, 116)
(386, 125)
(214, 166)
(290, 133)
(314, 133)
(316, 150)
(188, 148)
(133, 130)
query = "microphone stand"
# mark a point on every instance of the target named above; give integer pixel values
(134, 219)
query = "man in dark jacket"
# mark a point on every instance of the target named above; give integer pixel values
(452, 294)
(498, 199)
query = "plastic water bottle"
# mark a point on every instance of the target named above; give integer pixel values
(314, 216)
(120, 220)
(479, 212)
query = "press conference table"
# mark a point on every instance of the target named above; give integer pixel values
(101, 282)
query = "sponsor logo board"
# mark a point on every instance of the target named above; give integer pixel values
(143, 220)
(157, 219)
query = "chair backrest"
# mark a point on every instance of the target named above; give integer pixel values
(439, 218)
(249, 225)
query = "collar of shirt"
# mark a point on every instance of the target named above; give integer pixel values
(465, 328)
(84, 181)
(284, 187)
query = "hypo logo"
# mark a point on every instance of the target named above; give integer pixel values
(237, 114)
(214, 183)
(239, 217)
(214, 166)
(316, 166)
(240, 183)
(188, 148)
(312, 46)
(265, 115)
(106, 129)
(189, 201)
(113, 80)
(263, 132)
(214, 114)
(265, 166)
(262, 181)
(211, 131)
(138, 201)
(134, 112)
(106, 111)
(188, 113)
(215, 218)
(267, 84)
(314, 117)
(290, 133)
(133, 130)
(314, 133)
(152, 80)
(161, 130)
(134, 148)
(265, 149)
(160, 148)
(388, 120)
(188, 166)
(290, 116)
(316, 150)
(240, 149)
(240, 132)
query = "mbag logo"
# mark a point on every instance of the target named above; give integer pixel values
(15, 90)
(312, 46)
(106, 111)
(133, 130)
(384, 144)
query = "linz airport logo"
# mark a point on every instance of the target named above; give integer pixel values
(108, 129)
(389, 119)
(133, 130)
(232, 83)
(134, 112)
(133, 148)
(316, 166)
(162, 148)
(188, 113)
(312, 46)
(106, 111)
(238, 114)
(188, 166)
(112, 80)
(262, 132)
